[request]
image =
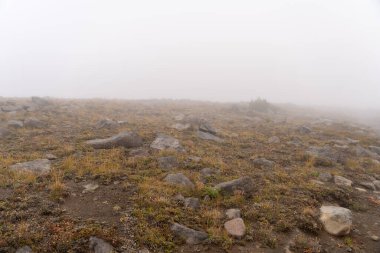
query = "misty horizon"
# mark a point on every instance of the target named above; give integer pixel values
(314, 53)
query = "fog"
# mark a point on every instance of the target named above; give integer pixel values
(307, 52)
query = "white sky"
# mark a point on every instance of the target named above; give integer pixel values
(324, 52)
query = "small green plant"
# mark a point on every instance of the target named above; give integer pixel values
(211, 192)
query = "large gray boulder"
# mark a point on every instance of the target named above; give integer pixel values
(179, 179)
(244, 184)
(209, 136)
(98, 245)
(165, 142)
(39, 166)
(191, 236)
(124, 139)
(336, 220)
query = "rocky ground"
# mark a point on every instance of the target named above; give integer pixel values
(178, 176)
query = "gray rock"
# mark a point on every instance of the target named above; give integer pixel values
(208, 136)
(179, 198)
(179, 179)
(50, 157)
(360, 151)
(11, 108)
(191, 236)
(326, 156)
(207, 128)
(34, 123)
(180, 126)
(325, 177)
(167, 162)
(145, 250)
(192, 203)
(235, 227)
(233, 213)
(106, 123)
(342, 181)
(90, 187)
(377, 184)
(165, 142)
(41, 101)
(4, 132)
(15, 124)
(375, 149)
(244, 184)
(139, 152)
(274, 139)
(179, 117)
(336, 220)
(25, 249)
(98, 245)
(263, 163)
(368, 185)
(40, 166)
(194, 159)
(124, 139)
(208, 172)
(303, 130)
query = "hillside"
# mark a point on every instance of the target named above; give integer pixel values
(184, 176)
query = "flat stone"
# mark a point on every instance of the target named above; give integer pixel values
(191, 236)
(368, 185)
(179, 179)
(124, 139)
(167, 162)
(106, 123)
(180, 126)
(90, 187)
(274, 139)
(325, 177)
(360, 189)
(209, 136)
(233, 213)
(50, 157)
(263, 163)
(25, 249)
(244, 184)
(192, 203)
(34, 123)
(15, 124)
(342, 181)
(377, 184)
(165, 142)
(235, 227)
(207, 128)
(39, 166)
(336, 220)
(98, 245)
(375, 238)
